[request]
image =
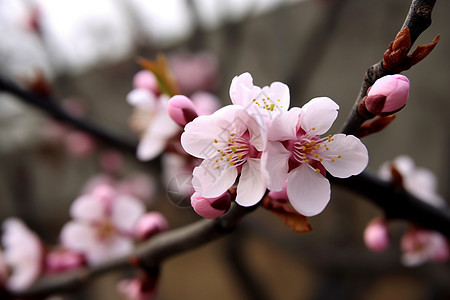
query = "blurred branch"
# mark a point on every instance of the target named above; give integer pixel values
(148, 255)
(314, 49)
(396, 202)
(417, 20)
(50, 107)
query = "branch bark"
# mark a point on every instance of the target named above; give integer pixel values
(417, 20)
(50, 107)
(148, 255)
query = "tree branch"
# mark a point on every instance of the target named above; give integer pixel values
(50, 107)
(417, 20)
(148, 255)
(396, 202)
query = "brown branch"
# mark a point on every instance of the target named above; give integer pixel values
(417, 20)
(50, 107)
(148, 255)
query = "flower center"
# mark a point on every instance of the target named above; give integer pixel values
(263, 101)
(308, 149)
(105, 229)
(232, 151)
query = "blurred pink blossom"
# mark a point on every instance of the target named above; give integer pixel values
(376, 235)
(194, 72)
(205, 103)
(103, 224)
(61, 260)
(79, 144)
(150, 224)
(420, 182)
(420, 245)
(142, 288)
(23, 254)
(145, 79)
(111, 161)
(151, 119)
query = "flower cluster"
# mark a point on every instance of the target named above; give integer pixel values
(418, 244)
(266, 144)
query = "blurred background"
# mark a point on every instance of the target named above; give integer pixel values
(87, 51)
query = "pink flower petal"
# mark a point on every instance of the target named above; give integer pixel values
(210, 182)
(240, 87)
(346, 156)
(78, 236)
(150, 147)
(115, 247)
(318, 115)
(274, 161)
(251, 186)
(87, 208)
(199, 135)
(278, 93)
(308, 191)
(284, 126)
(126, 211)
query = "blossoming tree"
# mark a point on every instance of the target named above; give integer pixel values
(257, 151)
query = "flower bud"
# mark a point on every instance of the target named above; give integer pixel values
(387, 95)
(376, 235)
(211, 207)
(140, 288)
(61, 260)
(150, 224)
(181, 110)
(146, 80)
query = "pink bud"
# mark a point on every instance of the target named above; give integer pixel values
(111, 161)
(181, 110)
(387, 95)
(63, 260)
(150, 224)
(79, 144)
(146, 80)
(376, 235)
(141, 288)
(211, 207)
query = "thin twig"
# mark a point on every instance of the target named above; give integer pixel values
(149, 255)
(417, 20)
(50, 107)
(396, 202)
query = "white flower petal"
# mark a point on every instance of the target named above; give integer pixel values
(126, 211)
(284, 126)
(240, 88)
(23, 253)
(150, 147)
(87, 208)
(308, 191)
(115, 247)
(78, 236)
(318, 115)
(353, 156)
(199, 135)
(211, 182)
(251, 186)
(279, 96)
(274, 161)
(141, 98)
